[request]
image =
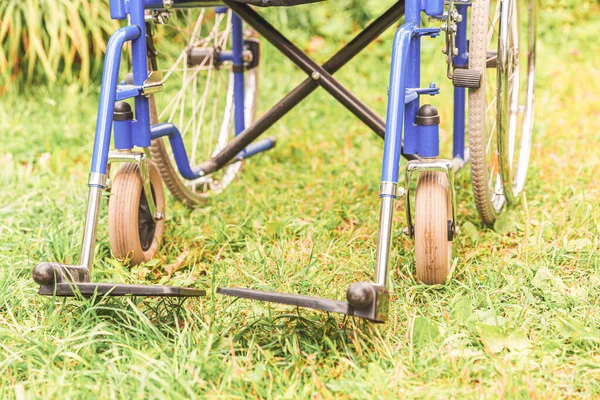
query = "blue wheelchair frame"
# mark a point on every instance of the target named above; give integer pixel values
(402, 136)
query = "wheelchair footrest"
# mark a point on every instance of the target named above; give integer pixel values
(111, 289)
(317, 303)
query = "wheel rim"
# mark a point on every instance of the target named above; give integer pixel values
(515, 124)
(146, 223)
(492, 125)
(199, 99)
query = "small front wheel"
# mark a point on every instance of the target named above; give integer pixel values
(433, 214)
(132, 231)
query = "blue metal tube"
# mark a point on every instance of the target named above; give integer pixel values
(238, 73)
(433, 7)
(153, 4)
(225, 55)
(108, 93)
(181, 158)
(458, 139)
(429, 141)
(397, 92)
(180, 154)
(257, 147)
(139, 58)
(413, 80)
(460, 61)
(123, 135)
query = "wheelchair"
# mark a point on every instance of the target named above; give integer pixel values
(185, 118)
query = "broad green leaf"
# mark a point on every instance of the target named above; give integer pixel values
(471, 231)
(488, 317)
(424, 331)
(492, 337)
(517, 341)
(462, 309)
(569, 327)
(505, 223)
(577, 245)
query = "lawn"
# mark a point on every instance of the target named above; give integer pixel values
(519, 319)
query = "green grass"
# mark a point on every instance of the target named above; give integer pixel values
(520, 318)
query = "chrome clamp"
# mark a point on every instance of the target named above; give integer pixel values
(391, 189)
(97, 179)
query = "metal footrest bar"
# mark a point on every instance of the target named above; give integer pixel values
(111, 289)
(73, 281)
(366, 300)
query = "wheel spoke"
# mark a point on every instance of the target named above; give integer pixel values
(201, 100)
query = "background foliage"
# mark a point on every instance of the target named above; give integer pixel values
(64, 40)
(50, 40)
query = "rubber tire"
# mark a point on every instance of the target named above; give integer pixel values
(477, 105)
(123, 214)
(433, 250)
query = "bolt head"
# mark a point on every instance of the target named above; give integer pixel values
(360, 295)
(315, 76)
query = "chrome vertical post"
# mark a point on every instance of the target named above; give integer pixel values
(388, 192)
(97, 183)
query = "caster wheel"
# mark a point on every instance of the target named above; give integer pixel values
(433, 250)
(132, 231)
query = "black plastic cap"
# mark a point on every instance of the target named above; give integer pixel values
(44, 274)
(122, 111)
(360, 295)
(427, 116)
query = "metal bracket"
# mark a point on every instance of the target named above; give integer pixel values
(413, 93)
(451, 27)
(445, 166)
(98, 180)
(152, 84)
(142, 160)
(433, 32)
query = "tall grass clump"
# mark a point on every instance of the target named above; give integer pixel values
(45, 41)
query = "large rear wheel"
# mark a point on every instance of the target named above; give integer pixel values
(502, 41)
(199, 97)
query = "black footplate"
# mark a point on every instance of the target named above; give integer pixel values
(65, 280)
(111, 289)
(372, 305)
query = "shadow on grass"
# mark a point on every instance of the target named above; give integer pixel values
(322, 335)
